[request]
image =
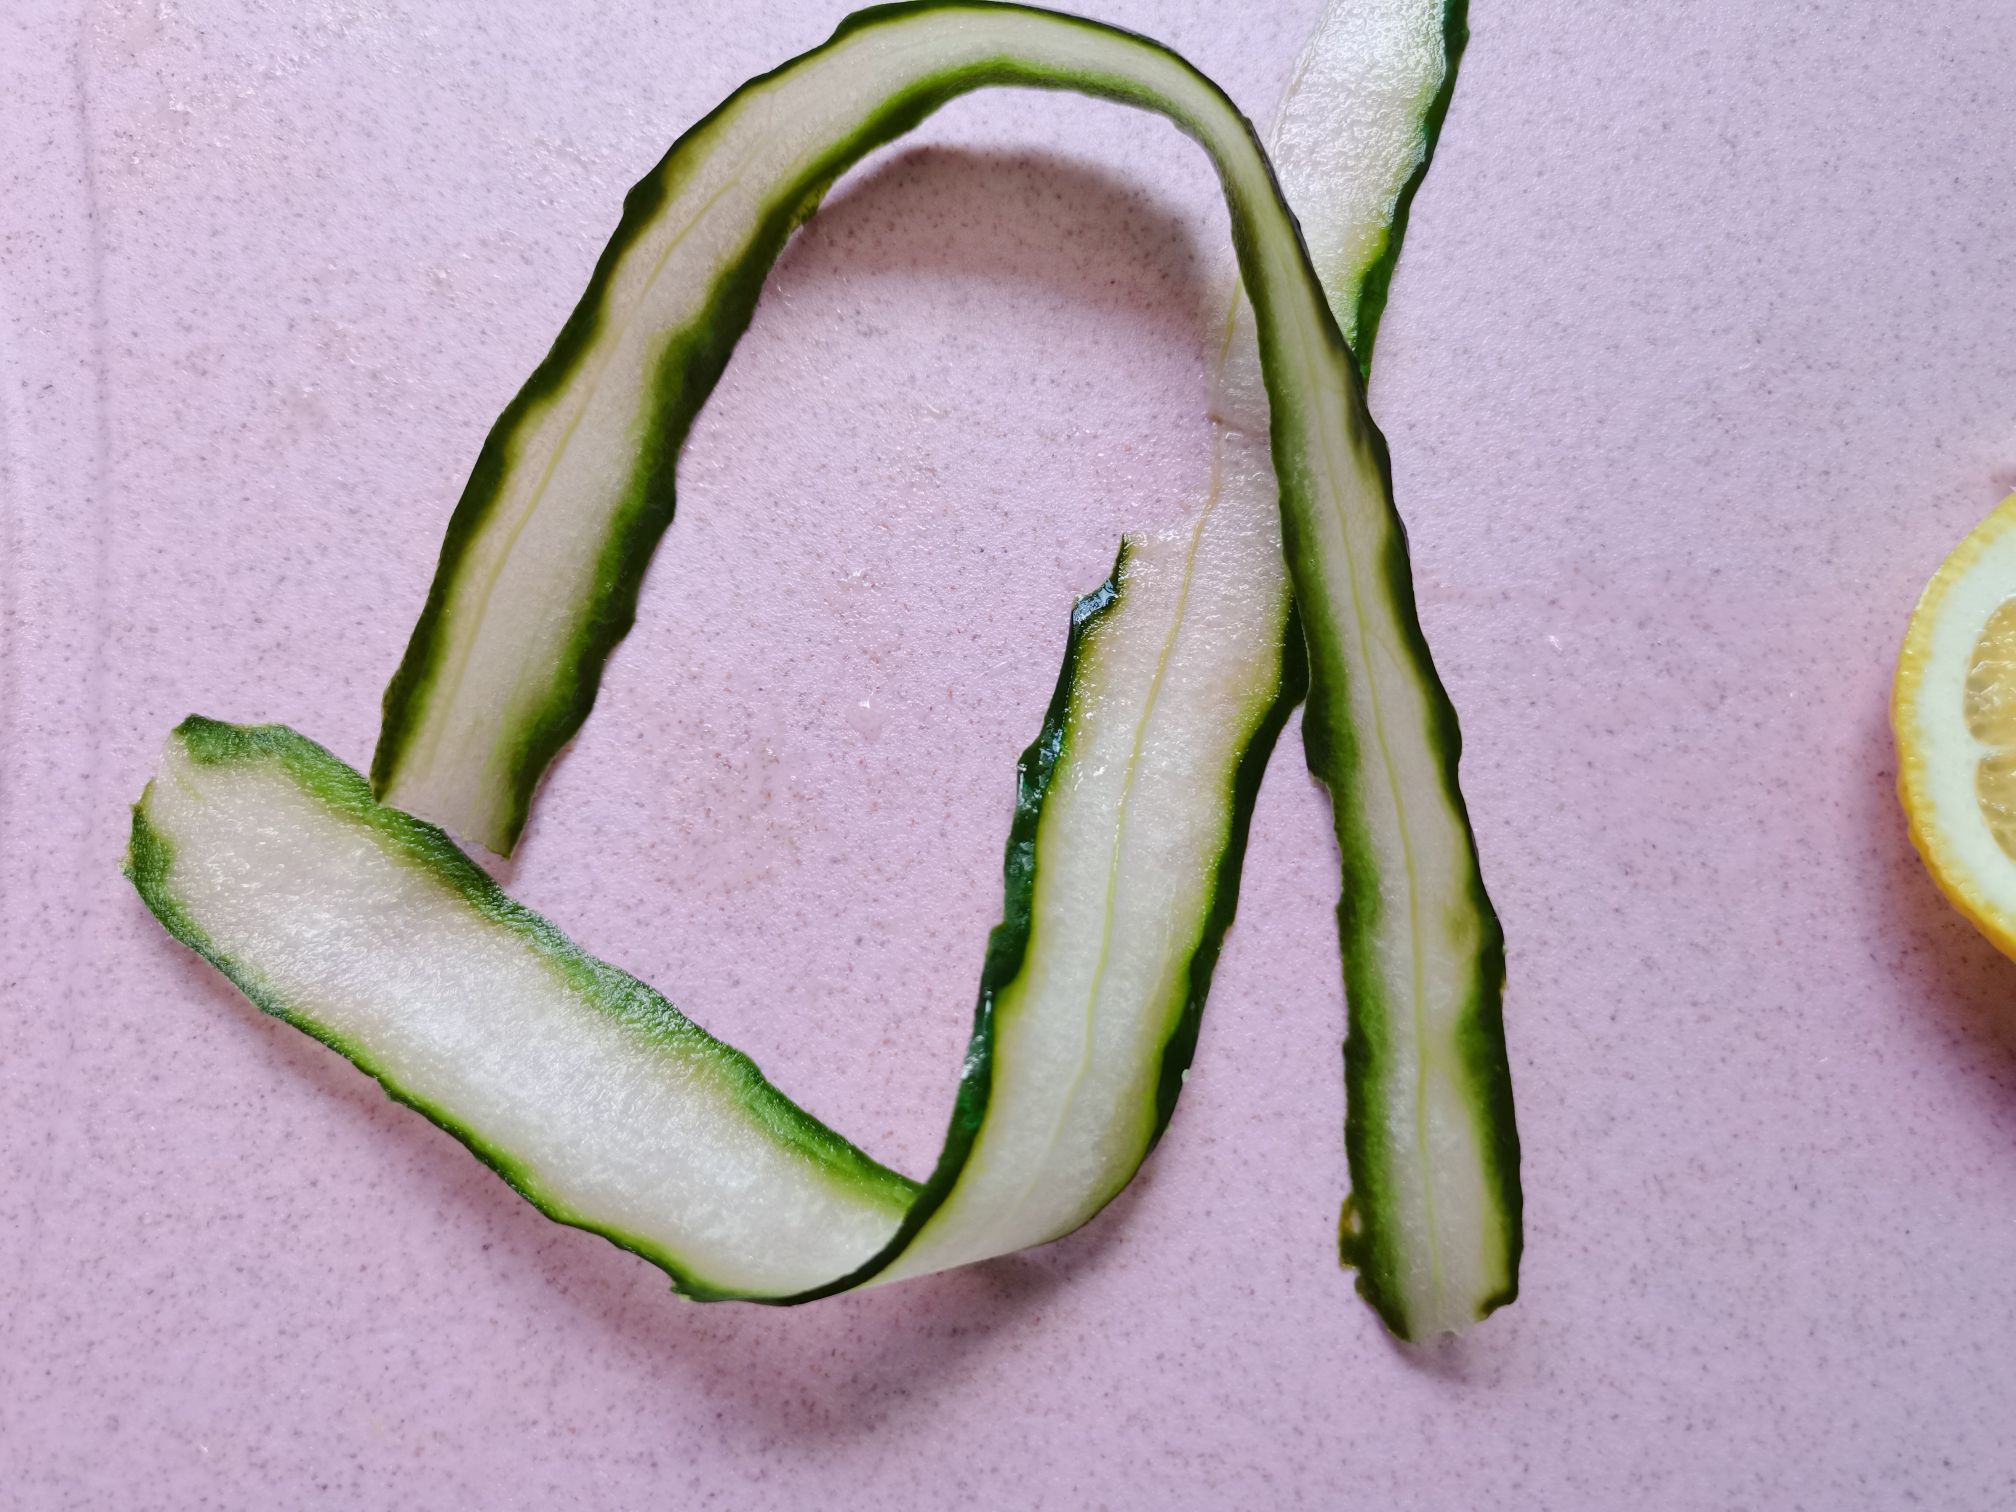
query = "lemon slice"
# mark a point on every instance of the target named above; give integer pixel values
(1954, 713)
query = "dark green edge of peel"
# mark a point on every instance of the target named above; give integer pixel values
(1179, 1047)
(1226, 872)
(1377, 283)
(1008, 941)
(634, 1004)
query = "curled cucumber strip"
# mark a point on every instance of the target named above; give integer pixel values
(338, 910)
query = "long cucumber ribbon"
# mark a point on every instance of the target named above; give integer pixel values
(610, 1110)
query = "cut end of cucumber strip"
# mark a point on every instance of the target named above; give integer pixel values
(584, 1089)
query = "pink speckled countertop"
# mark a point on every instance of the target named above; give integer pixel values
(1702, 354)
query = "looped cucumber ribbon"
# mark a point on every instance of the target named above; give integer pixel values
(365, 926)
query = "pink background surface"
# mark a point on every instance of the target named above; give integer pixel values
(1702, 354)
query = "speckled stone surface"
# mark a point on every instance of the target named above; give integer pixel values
(1702, 354)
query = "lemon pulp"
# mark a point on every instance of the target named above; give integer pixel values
(1990, 705)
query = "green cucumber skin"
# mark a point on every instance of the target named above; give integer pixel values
(1231, 864)
(1362, 329)
(149, 865)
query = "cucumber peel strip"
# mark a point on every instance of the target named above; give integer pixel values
(761, 1201)
(1434, 1224)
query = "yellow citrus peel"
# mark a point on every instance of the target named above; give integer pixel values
(1954, 713)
